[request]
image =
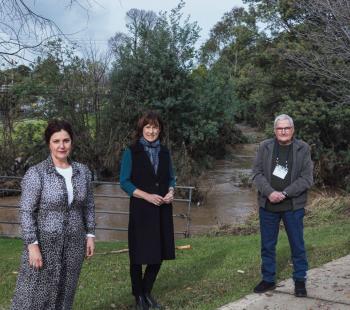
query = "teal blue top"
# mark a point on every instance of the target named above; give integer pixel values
(125, 173)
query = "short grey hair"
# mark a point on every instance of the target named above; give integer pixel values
(283, 117)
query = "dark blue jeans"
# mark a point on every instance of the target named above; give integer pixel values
(269, 228)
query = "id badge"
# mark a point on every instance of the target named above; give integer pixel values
(280, 172)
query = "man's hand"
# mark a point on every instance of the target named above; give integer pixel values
(276, 197)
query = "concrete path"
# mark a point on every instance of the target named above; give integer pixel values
(328, 289)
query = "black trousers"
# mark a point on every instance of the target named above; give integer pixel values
(143, 284)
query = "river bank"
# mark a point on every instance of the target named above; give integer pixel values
(228, 204)
(225, 201)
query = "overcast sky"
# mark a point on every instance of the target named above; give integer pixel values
(106, 17)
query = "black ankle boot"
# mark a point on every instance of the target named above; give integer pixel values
(151, 302)
(300, 289)
(141, 303)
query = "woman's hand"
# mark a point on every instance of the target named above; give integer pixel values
(35, 258)
(90, 246)
(169, 197)
(151, 198)
(155, 199)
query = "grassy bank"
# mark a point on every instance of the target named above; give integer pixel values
(217, 270)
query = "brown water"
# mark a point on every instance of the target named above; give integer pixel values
(225, 201)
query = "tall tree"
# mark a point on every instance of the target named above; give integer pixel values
(153, 62)
(310, 41)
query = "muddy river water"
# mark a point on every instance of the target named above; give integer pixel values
(225, 201)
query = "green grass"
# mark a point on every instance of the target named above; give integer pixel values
(204, 277)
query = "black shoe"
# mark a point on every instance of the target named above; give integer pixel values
(151, 302)
(300, 289)
(264, 286)
(141, 303)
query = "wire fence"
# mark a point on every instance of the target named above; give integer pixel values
(12, 181)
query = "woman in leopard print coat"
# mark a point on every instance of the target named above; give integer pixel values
(58, 223)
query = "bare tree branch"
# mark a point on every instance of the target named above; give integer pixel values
(324, 49)
(23, 29)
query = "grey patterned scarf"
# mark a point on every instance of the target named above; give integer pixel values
(152, 149)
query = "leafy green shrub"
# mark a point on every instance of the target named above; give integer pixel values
(325, 126)
(29, 140)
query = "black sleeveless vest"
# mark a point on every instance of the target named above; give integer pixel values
(142, 172)
(151, 228)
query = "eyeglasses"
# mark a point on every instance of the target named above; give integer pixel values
(286, 129)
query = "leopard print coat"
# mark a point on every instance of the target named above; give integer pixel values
(61, 232)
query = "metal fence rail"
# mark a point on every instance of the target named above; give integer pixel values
(186, 216)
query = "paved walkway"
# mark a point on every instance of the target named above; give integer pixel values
(328, 289)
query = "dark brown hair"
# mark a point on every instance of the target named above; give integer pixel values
(152, 118)
(57, 125)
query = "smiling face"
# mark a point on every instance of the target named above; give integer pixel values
(284, 131)
(60, 146)
(151, 132)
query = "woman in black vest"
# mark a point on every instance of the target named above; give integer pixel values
(148, 178)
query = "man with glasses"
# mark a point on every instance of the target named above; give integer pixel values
(282, 174)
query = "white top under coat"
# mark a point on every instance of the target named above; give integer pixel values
(67, 174)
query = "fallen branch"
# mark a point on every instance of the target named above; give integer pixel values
(184, 247)
(179, 247)
(113, 252)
